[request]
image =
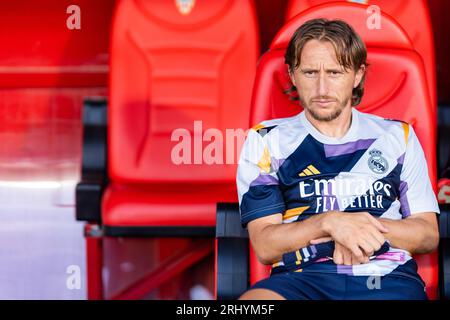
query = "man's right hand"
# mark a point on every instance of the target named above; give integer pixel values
(341, 254)
(360, 233)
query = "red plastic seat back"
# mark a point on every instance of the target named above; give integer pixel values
(413, 16)
(174, 63)
(395, 87)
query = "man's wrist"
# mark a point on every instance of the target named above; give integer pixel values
(326, 223)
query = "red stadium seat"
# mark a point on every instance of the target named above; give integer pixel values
(402, 95)
(414, 18)
(184, 67)
(167, 71)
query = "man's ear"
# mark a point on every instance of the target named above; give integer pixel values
(359, 75)
(291, 75)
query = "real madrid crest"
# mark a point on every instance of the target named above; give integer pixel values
(377, 163)
(185, 6)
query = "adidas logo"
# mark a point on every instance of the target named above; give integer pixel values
(309, 171)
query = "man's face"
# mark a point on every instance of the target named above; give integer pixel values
(324, 86)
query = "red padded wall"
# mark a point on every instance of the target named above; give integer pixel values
(45, 71)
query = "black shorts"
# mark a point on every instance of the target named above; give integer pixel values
(314, 284)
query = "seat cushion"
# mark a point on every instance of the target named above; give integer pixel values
(164, 205)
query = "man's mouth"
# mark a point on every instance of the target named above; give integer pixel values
(323, 102)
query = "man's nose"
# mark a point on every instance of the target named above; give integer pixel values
(322, 84)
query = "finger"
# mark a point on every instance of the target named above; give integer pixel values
(357, 252)
(377, 223)
(345, 254)
(372, 238)
(347, 257)
(378, 236)
(365, 245)
(355, 260)
(337, 255)
(320, 240)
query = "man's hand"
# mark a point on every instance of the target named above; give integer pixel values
(341, 254)
(359, 233)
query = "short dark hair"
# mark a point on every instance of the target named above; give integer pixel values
(350, 50)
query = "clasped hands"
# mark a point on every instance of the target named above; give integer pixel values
(356, 235)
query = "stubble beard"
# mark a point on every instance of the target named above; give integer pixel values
(328, 117)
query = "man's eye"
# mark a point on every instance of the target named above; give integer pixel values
(310, 73)
(335, 73)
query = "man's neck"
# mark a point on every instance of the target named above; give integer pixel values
(336, 128)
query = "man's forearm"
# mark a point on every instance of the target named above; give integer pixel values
(416, 236)
(276, 239)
